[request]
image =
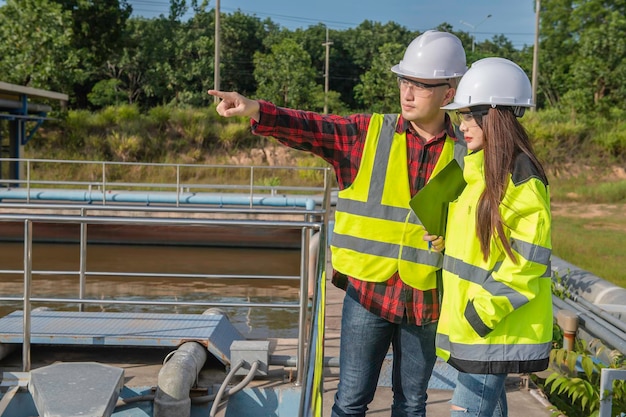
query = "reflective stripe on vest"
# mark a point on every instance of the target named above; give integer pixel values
(483, 277)
(494, 351)
(376, 233)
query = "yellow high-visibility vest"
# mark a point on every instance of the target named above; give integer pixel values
(376, 233)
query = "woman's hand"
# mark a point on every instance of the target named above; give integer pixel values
(436, 243)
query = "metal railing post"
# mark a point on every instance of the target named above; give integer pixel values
(607, 376)
(304, 297)
(104, 180)
(28, 267)
(82, 260)
(28, 181)
(178, 190)
(251, 186)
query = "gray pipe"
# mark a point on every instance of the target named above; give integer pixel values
(621, 325)
(588, 286)
(592, 316)
(594, 325)
(156, 198)
(176, 378)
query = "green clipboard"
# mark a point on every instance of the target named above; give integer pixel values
(430, 204)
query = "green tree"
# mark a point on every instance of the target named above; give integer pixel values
(241, 37)
(378, 89)
(557, 49)
(141, 68)
(312, 40)
(36, 45)
(285, 75)
(97, 32)
(354, 50)
(191, 52)
(499, 45)
(98, 26)
(599, 72)
(582, 49)
(107, 93)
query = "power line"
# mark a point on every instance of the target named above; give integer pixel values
(162, 7)
(158, 7)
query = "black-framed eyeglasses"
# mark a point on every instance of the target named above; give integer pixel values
(418, 88)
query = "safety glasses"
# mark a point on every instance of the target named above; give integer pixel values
(419, 89)
(470, 116)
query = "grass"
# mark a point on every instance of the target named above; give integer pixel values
(589, 188)
(589, 224)
(594, 244)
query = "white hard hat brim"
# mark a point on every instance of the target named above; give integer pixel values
(454, 106)
(492, 101)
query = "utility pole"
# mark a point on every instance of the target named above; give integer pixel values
(536, 55)
(216, 72)
(326, 72)
(474, 27)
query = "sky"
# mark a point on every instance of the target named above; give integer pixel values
(513, 18)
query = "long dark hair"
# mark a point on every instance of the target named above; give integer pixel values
(504, 139)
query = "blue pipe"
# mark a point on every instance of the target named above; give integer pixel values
(154, 198)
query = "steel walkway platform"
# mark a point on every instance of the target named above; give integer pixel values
(214, 331)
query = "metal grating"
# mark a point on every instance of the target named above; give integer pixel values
(123, 329)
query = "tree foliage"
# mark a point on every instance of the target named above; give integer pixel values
(378, 90)
(99, 54)
(242, 36)
(97, 31)
(285, 76)
(35, 42)
(583, 54)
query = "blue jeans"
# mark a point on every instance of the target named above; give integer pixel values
(480, 395)
(365, 341)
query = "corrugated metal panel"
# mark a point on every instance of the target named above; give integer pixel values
(123, 329)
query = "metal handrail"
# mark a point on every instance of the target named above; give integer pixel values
(106, 180)
(155, 210)
(313, 220)
(29, 219)
(311, 400)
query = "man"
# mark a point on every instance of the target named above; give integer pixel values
(378, 254)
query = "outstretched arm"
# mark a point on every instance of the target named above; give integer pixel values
(234, 104)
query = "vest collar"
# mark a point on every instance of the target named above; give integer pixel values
(474, 166)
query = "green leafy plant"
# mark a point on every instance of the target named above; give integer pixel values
(574, 385)
(560, 287)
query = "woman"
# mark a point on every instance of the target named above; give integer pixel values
(497, 307)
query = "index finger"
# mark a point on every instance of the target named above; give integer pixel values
(217, 93)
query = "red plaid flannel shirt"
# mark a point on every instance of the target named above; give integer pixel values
(340, 141)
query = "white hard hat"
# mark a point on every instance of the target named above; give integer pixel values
(433, 55)
(495, 82)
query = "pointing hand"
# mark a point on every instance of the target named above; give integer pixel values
(234, 104)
